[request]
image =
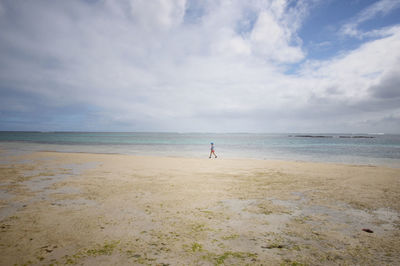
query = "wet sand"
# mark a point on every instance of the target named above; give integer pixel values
(97, 209)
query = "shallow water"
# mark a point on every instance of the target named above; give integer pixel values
(340, 148)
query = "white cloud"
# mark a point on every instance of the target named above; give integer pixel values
(357, 69)
(271, 40)
(157, 14)
(379, 8)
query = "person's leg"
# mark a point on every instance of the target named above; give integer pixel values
(210, 154)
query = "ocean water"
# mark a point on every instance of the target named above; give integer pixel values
(378, 149)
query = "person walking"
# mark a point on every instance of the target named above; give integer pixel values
(212, 150)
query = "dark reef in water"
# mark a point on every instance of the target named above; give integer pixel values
(328, 136)
(357, 137)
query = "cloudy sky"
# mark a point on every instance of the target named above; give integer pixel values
(200, 65)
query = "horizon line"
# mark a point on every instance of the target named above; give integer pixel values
(200, 132)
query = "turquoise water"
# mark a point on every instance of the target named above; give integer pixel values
(342, 148)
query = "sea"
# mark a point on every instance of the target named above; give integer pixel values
(361, 149)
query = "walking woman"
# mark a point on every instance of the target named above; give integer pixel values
(212, 150)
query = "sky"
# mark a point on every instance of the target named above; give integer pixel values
(200, 66)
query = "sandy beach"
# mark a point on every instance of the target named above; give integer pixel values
(99, 209)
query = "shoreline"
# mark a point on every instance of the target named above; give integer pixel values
(79, 208)
(222, 159)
